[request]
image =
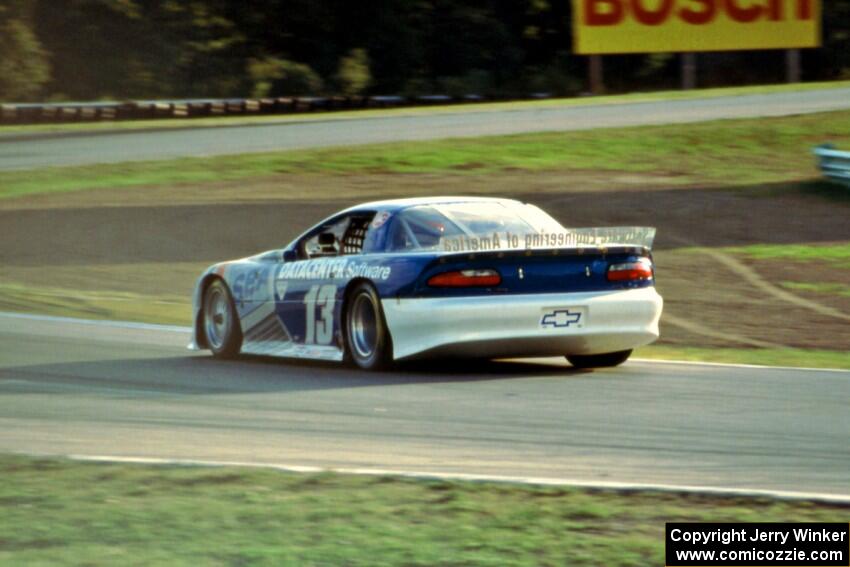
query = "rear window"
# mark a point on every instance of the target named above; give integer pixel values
(425, 227)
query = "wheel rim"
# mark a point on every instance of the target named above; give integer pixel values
(217, 317)
(362, 327)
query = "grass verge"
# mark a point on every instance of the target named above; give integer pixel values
(439, 109)
(776, 150)
(92, 304)
(836, 255)
(839, 289)
(59, 512)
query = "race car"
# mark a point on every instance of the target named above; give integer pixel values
(436, 277)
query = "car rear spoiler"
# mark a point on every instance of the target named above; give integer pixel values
(635, 239)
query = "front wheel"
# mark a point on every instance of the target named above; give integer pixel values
(221, 323)
(606, 360)
(366, 336)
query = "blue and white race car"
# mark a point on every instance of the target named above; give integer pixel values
(452, 276)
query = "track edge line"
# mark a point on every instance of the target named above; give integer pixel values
(625, 487)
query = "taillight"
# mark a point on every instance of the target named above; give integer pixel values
(466, 278)
(630, 271)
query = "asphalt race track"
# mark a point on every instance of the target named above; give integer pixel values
(104, 389)
(25, 151)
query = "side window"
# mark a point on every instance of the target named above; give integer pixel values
(400, 237)
(420, 228)
(343, 236)
(355, 234)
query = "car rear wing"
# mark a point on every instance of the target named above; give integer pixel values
(568, 239)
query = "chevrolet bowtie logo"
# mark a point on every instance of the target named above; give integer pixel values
(560, 318)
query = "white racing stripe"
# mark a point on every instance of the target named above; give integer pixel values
(734, 365)
(522, 480)
(178, 329)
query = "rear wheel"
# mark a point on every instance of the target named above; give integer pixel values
(366, 336)
(606, 360)
(221, 323)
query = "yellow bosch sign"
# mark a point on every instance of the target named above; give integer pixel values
(647, 26)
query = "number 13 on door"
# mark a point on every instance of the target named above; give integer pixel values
(320, 299)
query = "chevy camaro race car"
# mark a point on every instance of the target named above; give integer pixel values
(453, 276)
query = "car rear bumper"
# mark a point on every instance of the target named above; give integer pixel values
(523, 325)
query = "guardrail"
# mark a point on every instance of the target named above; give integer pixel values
(48, 113)
(834, 164)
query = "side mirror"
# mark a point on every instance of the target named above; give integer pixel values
(327, 239)
(290, 255)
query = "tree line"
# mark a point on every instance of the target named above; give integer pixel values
(121, 49)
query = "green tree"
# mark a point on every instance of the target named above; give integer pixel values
(24, 65)
(274, 77)
(836, 37)
(142, 48)
(354, 76)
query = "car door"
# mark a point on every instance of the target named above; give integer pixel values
(309, 289)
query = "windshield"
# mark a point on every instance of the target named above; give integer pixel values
(480, 226)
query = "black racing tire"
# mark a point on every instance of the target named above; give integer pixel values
(367, 340)
(220, 322)
(606, 360)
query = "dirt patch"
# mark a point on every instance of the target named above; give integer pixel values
(266, 212)
(699, 290)
(155, 241)
(780, 271)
